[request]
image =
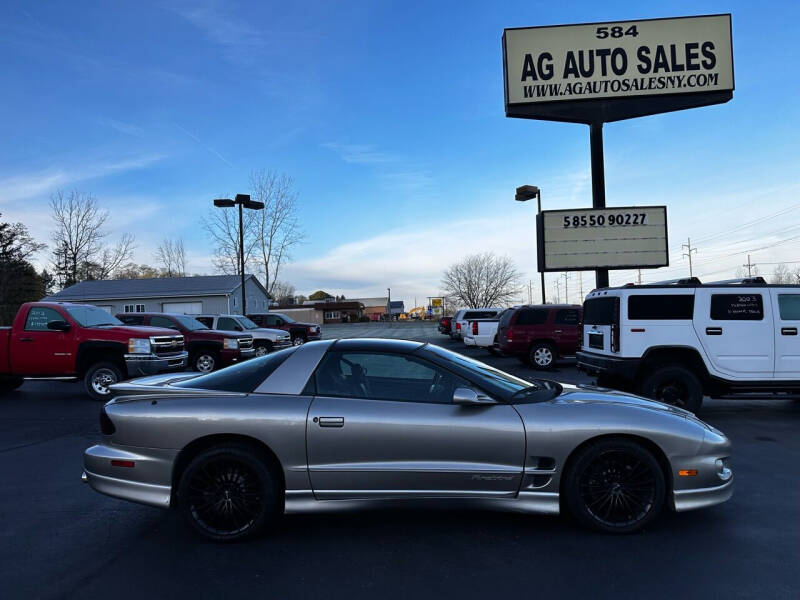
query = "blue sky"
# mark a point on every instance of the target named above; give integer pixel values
(389, 117)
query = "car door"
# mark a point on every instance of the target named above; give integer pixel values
(735, 327)
(786, 311)
(384, 425)
(566, 330)
(37, 350)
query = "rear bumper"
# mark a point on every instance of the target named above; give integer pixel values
(596, 364)
(151, 364)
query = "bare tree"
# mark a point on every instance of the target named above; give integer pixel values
(222, 226)
(171, 255)
(278, 227)
(782, 275)
(79, 249)
(283, 292)
(482, 280)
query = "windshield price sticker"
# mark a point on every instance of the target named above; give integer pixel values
(603, 220)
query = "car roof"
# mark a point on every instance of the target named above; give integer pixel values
(376, 345)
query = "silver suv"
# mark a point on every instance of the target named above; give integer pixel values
(265, 340)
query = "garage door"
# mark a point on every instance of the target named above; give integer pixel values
(188, 308)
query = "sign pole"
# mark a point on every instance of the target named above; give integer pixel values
(598, 184)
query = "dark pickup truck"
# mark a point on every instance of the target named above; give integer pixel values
(209, 349)
(57, 340)
(300, 332)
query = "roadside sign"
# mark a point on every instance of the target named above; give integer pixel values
(554, 72)
(436, 306)
(625, 237)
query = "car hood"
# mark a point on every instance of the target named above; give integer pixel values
(590, 394)
(267, 330)
(138, 330)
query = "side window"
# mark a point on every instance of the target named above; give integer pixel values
(159, 321)
(531, 317)
(228, 324)
(270, 320)
(376, 376)
(737, 307)
(39, 317)
(207, 321)
(130, 319)
(567, 316)
(659, 307)
(789, 306)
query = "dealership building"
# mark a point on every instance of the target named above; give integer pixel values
(214, 294)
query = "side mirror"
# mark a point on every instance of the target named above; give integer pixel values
(468, 397)
(58, 325)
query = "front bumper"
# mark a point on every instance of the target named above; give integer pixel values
(702, 497)
(594, 364)
(231, 357)
(151, 364)
(281, 344)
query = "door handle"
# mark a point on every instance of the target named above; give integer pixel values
(713, 330)
(25, 339)
(788, 330)
(556, 331)
(331, 421)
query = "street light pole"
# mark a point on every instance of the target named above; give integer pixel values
(525, 193)
(243, 201)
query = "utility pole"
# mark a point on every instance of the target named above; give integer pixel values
(558, 290)
(566, 288)
(749, 266)
(639, 277)
(580, 283)
(530, 291)
(389, 304)
(688, 254)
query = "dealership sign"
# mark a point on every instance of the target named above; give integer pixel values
(608, 238)
(617, 60)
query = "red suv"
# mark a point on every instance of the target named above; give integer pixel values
(539, 335)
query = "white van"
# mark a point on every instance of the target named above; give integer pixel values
(679, 340)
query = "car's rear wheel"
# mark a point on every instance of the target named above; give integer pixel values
(674, 385)
(263, 348)
(9, 384)
(205, 361)
(542, 355)
(227, 493)
(98, 379)
(615, 486)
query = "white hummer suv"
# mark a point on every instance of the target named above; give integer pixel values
(678, 341)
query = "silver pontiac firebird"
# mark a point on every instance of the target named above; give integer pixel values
(354, 423)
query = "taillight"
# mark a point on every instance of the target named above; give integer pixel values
(474, 328)
(458, 325)
(106, 426)
(615, 338)
(510, 334)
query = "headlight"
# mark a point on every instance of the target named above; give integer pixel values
(230, 344)
(138, 346)
(312, 330)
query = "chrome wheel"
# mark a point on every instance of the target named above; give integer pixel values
(298, 341)
(618, 489)
(542, 357)
(205, 363)
(261, 350)
(102, 379)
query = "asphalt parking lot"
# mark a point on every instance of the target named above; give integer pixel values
(59, 539)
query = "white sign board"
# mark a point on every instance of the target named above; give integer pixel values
(618, 59)
(628, 237)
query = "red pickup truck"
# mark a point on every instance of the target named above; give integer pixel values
(62, 340)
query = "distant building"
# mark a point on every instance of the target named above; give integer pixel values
(214, 294)
(374, 308)
(397, 307)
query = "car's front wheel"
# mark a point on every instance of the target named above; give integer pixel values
(205, 361)
(298, 340)
(263, 348)
(227, 493)
(98, 379)
(674, 385)
(615, 486)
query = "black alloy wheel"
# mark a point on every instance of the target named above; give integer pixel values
(227, 494)
(616, 486)
(674, 385)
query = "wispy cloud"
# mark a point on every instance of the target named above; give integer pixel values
(33, 184)
(123, 127)
(204, 145)
(361, 154)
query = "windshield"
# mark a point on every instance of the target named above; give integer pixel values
(190, 323)
(285, 318)
(246, 323)
(91, 316)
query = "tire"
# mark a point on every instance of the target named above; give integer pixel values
(263, 348)
(615, 486)
(298, 340)
(205, 361)
(9, 384)
(97, 379)
(674, 385)
(493, 351)
(227, 493)
(542, 356)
